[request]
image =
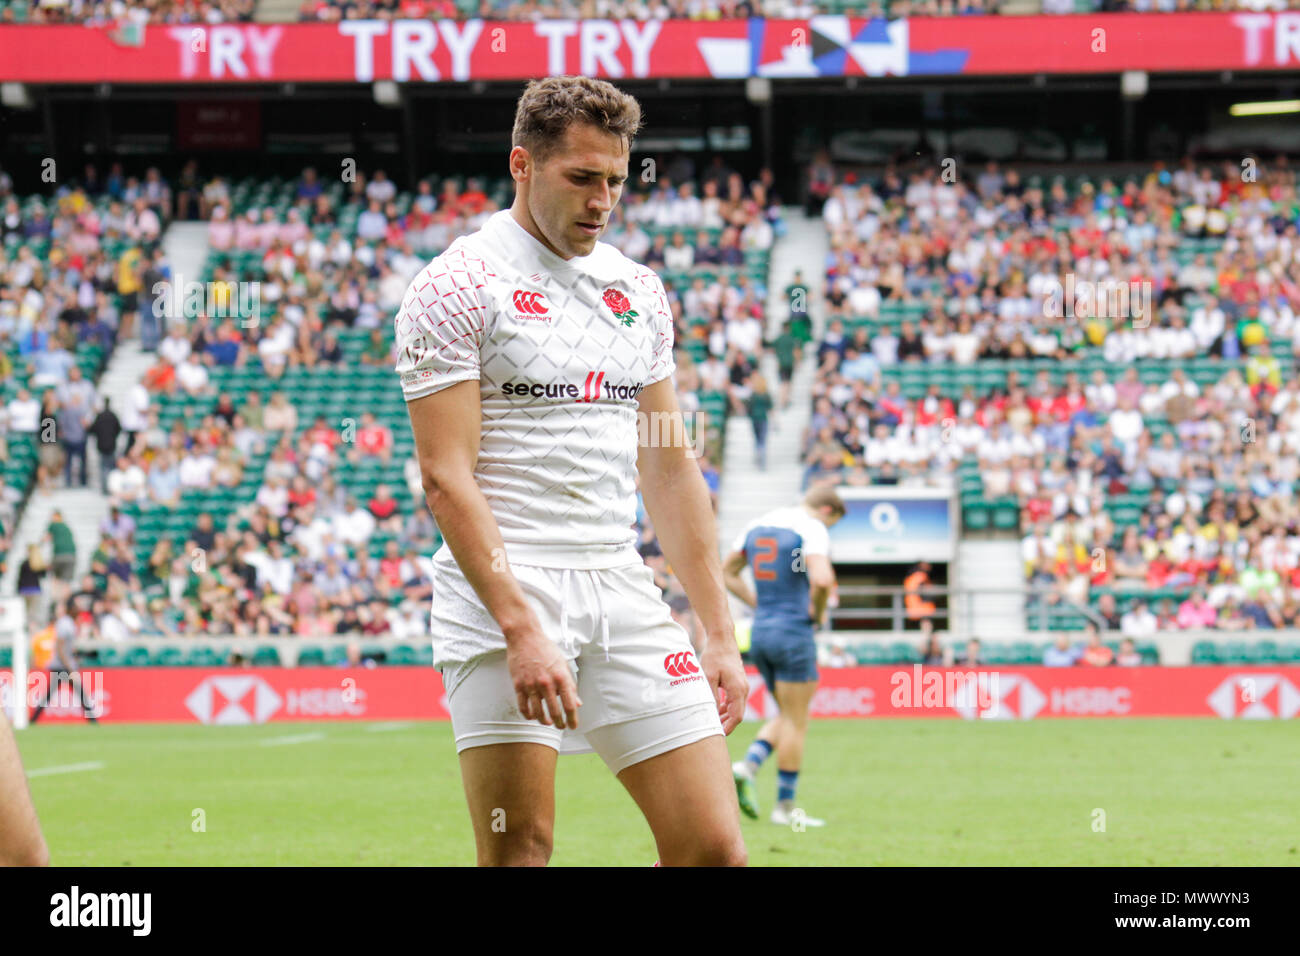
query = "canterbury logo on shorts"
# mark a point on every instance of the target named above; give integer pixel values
(682, 666)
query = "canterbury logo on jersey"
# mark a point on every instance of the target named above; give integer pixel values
(595, 387)
(529, 304)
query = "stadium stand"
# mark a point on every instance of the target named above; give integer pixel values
(1142, 455)
(271, 488)
(70, 285)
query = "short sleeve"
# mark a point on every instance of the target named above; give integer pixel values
(816, 539)
(739, 543)
(662, 365)
(440, 325)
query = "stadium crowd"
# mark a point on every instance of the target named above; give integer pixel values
(930, 274)
(642, 10)
(297, 559)
(128, 15)
(131, 16)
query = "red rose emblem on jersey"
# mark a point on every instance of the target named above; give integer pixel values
(618, 304)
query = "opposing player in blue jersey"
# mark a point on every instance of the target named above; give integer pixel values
(788, 552)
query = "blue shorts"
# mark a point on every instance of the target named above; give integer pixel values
(785, 655)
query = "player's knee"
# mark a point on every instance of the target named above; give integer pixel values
(529, 846)
(727, 852)
(721, 850)
(34, 854)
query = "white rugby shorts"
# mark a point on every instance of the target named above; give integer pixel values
(643, 692)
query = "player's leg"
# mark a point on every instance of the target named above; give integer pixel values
(745, 770)
(510, 789)
(507, 764)
(794, 698)
(21, 843)
(507, 761)
(686, 796)
(88, 710)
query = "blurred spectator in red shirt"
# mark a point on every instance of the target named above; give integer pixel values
(1095, 653)
(375, 439)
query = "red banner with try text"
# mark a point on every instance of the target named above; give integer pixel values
(259, 695)
(428, 51)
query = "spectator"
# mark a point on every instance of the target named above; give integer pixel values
(1095, 653)
(1138, 623)
(972, 656)
(375, 439)
(30, 575)
(918, 606)
(758, 407)
(1061, 653)
(1128, 655)
(106, 429)
(63, 547)
(117, 525)
(74, 418)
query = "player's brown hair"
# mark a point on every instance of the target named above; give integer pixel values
(820, 496)
(549, 106)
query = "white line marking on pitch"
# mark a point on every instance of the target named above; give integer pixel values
(295, 739)
(65, 768)
(381, 728)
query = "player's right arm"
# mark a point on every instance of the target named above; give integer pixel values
(731, 577)
(439, 330)
(21, 843)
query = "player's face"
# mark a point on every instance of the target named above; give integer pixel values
(572, 194)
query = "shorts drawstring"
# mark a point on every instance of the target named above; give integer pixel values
(564, 597)
(569, 644)
(604, 618)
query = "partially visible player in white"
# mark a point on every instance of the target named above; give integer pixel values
(529, 352)
(788, 552)
(21, 843)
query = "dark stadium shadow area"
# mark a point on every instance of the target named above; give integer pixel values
(872, 597)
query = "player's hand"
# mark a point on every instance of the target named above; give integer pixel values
(726, 675)
(544, 687)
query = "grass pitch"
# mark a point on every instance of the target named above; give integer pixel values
(893, 792)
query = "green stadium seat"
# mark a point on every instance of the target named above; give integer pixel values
(311, 656)
(136, 657)
(1235, 652)
(266, 655)
(402, 656)
(170, 656)
(902, 652)
(869, 655)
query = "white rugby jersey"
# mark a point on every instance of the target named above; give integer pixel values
(561, 349)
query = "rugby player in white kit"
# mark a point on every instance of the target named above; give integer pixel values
(529, 352)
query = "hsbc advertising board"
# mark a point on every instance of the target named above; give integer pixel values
(262, 695)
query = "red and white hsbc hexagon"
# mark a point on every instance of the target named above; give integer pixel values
(1255, 696)
(999, 696)
(233, 699)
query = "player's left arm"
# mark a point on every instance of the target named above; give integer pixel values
(677, 501)
(821, 580)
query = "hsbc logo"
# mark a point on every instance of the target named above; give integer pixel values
(1009, 696)
(530, 306)
(682, 666)
(1255, 697)
(234, 699)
